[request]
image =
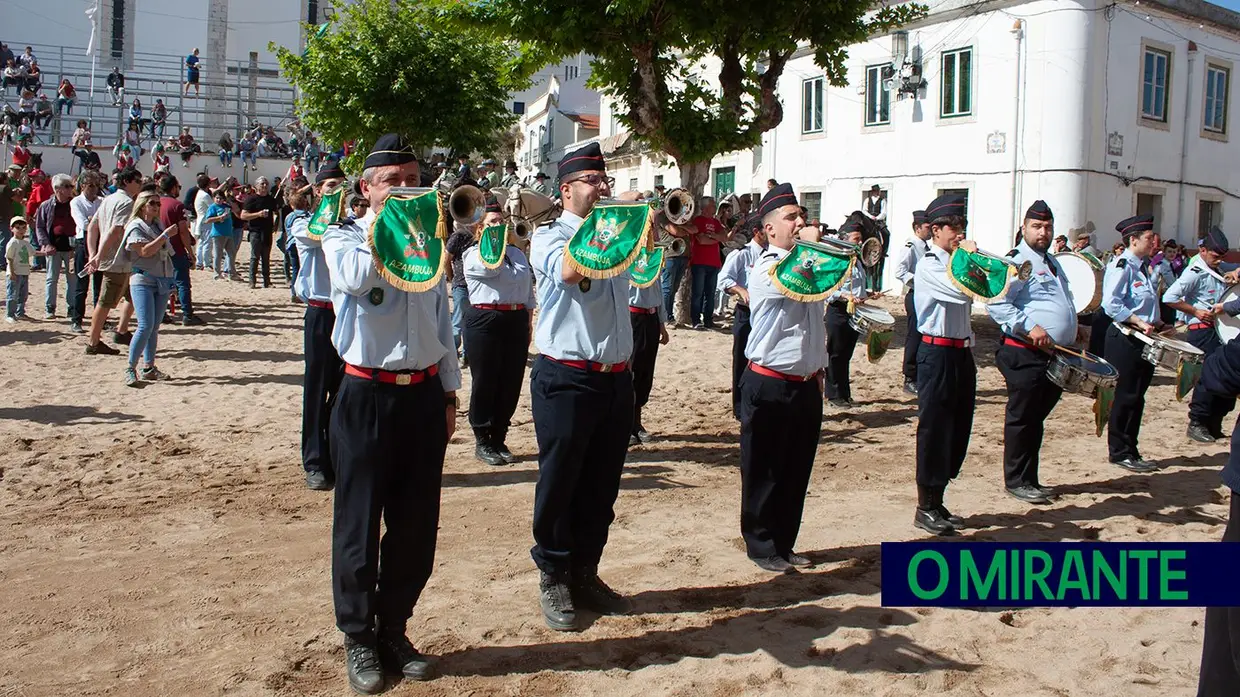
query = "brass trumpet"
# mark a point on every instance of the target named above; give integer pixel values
(1023, 270)
(675, 246)
(466, 203)
(677, 206)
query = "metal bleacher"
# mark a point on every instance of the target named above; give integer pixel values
(231, 98)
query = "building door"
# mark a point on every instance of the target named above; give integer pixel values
(1151, 204)
(1207, 217)
(725, 182)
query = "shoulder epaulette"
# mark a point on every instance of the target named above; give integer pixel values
(1121, 263)
(1012, 253)
(929, 253)
(768, 255)
(909, 244)
(1194, 269)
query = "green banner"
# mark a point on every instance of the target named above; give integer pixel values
(609, 239)
(876, 345)
(646, 267)
(1104, 399)
(810, 272)
(330, 210)
(1186, 376)
(983, 278)
(491, 245)
(407, 240)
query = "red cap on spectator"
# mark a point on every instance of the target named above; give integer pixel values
(37, 173)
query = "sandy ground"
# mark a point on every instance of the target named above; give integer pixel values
(160, 541)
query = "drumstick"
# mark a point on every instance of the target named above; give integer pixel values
(1071, 351)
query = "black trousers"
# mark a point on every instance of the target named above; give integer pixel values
(260, 251)
(780, 425)
(1206, 407)
(1135, 374)
(1031, 397)
(740, 338)
(645, 351)
(913, 339)
(498, 343)
(324, 369)
(582, 420)
(1220, 651)
(1099, 324)
(80, 257)
(388, 444)
(841, 342)
(946, 393)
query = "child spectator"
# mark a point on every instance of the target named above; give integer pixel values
(220, 218)
(18, 254)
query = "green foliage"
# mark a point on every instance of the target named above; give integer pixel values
(653, 56)
(389, 66)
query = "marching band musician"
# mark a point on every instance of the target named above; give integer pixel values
(1035, 315)
(1197, 296)
(390, 426)
(780, 396)
(841, 337)
(734, 280)
(1129, 297)
(946, 373)
(497, 332)
(323, 366)
(582, 398)
(649, 331)
(906, 271)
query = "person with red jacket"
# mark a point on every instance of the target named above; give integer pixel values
(704, 261)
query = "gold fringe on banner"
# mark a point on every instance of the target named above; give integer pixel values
(599, 275)
(398, 282)
(804, 297)
(1011, 273)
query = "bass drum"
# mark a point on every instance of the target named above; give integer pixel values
(1226, 326)
(1084, 279)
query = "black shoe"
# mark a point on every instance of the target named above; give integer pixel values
(120, 338)
(1048, 492)
(398, 655)
(319, 480)
(934, 522)
(1027, 493)
(634, 440)
(192, 321)
(910, 387)
(76, 328)
(590, 592)
(776, 564)
(955, 520)
(169, 319)
(100, 349)
(1199, 432)
(839, 403)
(1133, 464)
(505, 454)
(487, 454)
(1218, 433)
(643, 435)
(557, 602)
(365, 670)
(798, 561)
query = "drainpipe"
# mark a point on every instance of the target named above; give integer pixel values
(1018, 32)
(1188, 100)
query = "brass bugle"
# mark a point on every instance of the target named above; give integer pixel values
(466, 204)
(675, 246)
(522, 229)
(1023, 270)
(832, 245)
(678, 206)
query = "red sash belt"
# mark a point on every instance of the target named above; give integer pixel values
(762, 370)
(387, 376)
(643, 310)
(1009, 341)
(1201, 325)
(591, 365)
(944, 341)
(503, 308)
(321, 304)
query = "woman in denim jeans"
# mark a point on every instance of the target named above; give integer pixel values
(226, 150)
(150, 285)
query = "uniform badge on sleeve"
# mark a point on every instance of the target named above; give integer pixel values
(375, 296)
(584, 285)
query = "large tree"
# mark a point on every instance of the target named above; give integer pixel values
(397, 66)
(652, 56)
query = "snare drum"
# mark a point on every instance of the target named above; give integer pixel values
(1083, 275)
(874, 325)
(1084, 374)
(1165, 352)
(1226, 326)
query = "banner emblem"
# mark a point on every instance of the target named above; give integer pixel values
(407, 241)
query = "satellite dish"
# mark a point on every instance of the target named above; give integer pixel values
(888, 84)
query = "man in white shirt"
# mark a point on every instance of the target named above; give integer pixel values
(875, 208)
(83, 207)
(202, 231)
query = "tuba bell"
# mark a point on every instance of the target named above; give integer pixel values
(677, 206)
(675, 246)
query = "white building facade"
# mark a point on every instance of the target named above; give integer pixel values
(1103, 112)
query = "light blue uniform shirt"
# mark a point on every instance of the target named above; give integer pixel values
(942, 308)
(907, 258)
(1128, 291)
(575, 324)
(312, 282)
(737, 267)
(1044, 300)
(854, 286)
(787, 335)
(650, 297)
(377, 325)
(510, 283)
(1198, 286)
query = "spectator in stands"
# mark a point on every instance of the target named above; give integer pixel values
(133, 138)
(191, 72)
(27, 58)
(135, 114)
(462, 171)
(295, 170)
(124, 157)
(246, 150)
(226, 150)
(21, 152)
(81, 134)
(34, 77)
(54, 232)
(43, 111)
(312, 153)
(6, 55)
(116, 86)
(25, 105)
(66, 95)
(14, 75)
(88, 158)
(25, 131)
(188, 146)
(159, 119)
(173, 144)
(159, 160)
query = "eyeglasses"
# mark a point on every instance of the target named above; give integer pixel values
(595, 180)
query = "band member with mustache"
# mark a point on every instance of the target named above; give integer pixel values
(780, 396)
(946, 373)
(497, 331)
(389, 430)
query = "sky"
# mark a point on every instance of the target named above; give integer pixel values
(1233, 5)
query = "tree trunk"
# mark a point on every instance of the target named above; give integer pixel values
(694, 176)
